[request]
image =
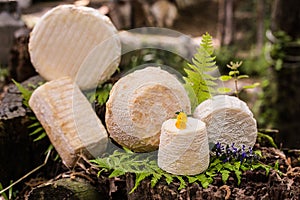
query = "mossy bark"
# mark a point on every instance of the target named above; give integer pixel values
(72, 189)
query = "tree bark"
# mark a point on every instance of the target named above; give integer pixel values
(260, 26)
(286, 17)
(20, 66)
(16, 146)
(226, 22)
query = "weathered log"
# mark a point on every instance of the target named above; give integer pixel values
(156, 38)
(66, 188)
(16, 146)
(20, 66)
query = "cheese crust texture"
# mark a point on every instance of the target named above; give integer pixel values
(138, 105)
(78, 42)
(228, 120)
(69, 120)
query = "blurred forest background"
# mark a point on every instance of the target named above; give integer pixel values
(264, 34)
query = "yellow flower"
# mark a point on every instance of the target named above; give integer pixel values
(181, 120)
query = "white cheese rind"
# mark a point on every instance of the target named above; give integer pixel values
(183, 151)
(78, 42)
(228, 120)
(69, 120)
(138, 105)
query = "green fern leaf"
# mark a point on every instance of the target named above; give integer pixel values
(198, 72)
(182, 183)
(26, 94)
(225, 175)
(38, 130)
(116, 173)
(156, 177)
(138, 180)
(169, 178)
(41, 136)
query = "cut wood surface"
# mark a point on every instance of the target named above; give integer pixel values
(69, 120)
(78, 42)
(183, 151)
(138, 105)
(229, 120)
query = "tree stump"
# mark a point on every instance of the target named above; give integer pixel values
(18, 153)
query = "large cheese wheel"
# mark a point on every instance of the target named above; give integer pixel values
(78, 42)
(228, 120)
(69, 120)
(138, 105)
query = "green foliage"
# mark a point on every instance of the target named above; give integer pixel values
(142, 165)
(199, 78)
(11, 194)
(277, 49)
(234, 74)
(3, 74)
(265, 136)
(36, 129)
(26, 93)
(155, 56)
(3, 194)
(145, 166)
(101, 94)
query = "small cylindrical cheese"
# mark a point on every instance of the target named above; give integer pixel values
(183, 151)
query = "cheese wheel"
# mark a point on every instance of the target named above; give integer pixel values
(138, 105)
(69, 120)
(183, 151)
(78, 42)
(229, 120)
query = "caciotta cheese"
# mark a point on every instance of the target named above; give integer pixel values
(183, 151)
(138, 105)
(229, 120)
(69, 120)
(78, 42)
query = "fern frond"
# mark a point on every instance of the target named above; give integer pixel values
(26, 94)
(142, 165)
(198, 72)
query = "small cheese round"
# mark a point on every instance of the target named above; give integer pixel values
(138, 105)
(228, 120)
(78, 42)
(183, 151)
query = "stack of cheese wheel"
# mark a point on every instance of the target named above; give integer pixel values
(138, 105)
(69, 120)
(72, 47)
(228, 120)
(183, 151)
